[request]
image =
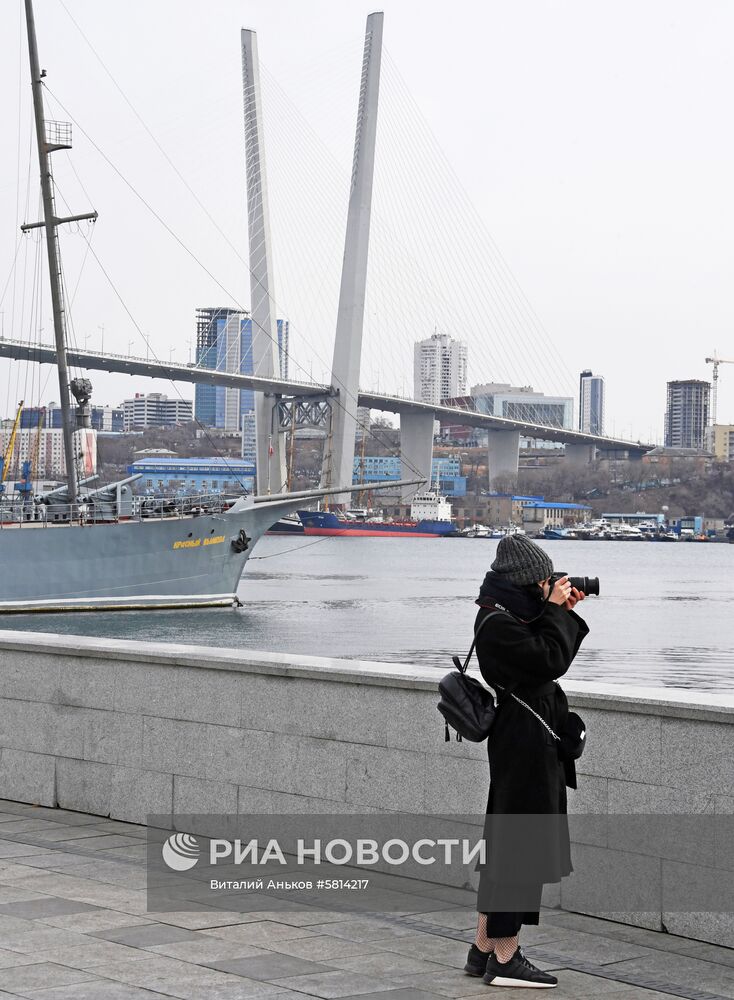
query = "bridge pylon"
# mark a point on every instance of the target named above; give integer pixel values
(338, 462)
(271, 453)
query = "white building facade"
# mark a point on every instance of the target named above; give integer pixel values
(154, 409)
(48, 446)
(439, 368)
(522, 403)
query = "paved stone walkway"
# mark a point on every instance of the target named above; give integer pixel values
(74, 926)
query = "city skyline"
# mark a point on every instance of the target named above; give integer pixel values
(619, 288)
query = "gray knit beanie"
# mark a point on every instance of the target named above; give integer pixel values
(521, 561)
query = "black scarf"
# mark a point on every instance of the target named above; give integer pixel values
(525, 602)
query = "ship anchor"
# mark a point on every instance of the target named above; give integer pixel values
(241, 542)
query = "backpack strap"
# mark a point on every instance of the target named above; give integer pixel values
(509, 690)
(462, 667)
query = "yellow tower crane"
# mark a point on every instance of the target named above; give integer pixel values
(37, 447)
(8, 455)
(716, 361)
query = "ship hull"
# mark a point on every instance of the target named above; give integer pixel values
(328, 524)
(152, 563)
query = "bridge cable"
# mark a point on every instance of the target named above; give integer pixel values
(173, 234)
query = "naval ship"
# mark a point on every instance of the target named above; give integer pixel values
(85, 547)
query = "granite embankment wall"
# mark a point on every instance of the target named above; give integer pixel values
(122, 729)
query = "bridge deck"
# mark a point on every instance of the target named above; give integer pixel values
(46, 354)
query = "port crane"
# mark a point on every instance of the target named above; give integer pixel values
(716, 361)
(8, 456)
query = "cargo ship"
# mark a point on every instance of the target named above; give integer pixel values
(430, 517)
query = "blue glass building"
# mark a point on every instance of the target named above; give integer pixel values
(224, 343)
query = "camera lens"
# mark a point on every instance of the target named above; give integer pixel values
(587, 584)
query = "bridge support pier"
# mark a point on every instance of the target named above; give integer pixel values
(579, 454)
(416, 448)
(503, 454)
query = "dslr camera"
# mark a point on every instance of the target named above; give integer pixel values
(587, 584)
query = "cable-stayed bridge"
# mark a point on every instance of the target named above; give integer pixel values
(579, 446)
(280, 403)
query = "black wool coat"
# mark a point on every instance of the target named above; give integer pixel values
(526, 773)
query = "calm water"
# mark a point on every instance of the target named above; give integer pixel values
(665, 617)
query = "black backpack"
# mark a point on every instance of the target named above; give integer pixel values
(466, 705)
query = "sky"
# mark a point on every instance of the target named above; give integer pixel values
(570, 160)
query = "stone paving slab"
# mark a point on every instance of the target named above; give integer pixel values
(385, 964)
(593, 948)
(27, 824)
(204, 951)
(47, 906)
(260, 932)
(433, 948)
(92, 955)
(94, 921)
(29, 977)
(104, 842)
(41, 938)
(362, 929)
(146, 935)
(63, 832)
(271, 967)
(14, 849)
(458, 917)
(67, 816)
(322, 948)
(99, 990)
(337, 983)
(201, 919)
(11, 959)
(9, 894)
(56, 861)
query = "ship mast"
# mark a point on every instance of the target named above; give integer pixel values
(51, 136)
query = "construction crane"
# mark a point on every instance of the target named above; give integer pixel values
(716, 361)
(8, 455)
(37, 445)
(29, 472)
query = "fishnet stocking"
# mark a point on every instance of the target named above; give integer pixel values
(504, 948)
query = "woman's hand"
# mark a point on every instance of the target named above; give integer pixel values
(561, 592)
(574, 597)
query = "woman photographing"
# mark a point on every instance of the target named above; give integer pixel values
(529, 638)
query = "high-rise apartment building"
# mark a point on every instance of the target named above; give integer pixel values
(591, 403)
(687, 413)
(44, 449)
(224, 343)
(439, 368)
(155, 410)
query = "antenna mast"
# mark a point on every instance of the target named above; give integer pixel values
(51, 136)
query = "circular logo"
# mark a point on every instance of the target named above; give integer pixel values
(181, 851)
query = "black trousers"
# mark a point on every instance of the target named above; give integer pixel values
(507, 923)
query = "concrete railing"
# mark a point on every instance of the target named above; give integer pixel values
(123, 729)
